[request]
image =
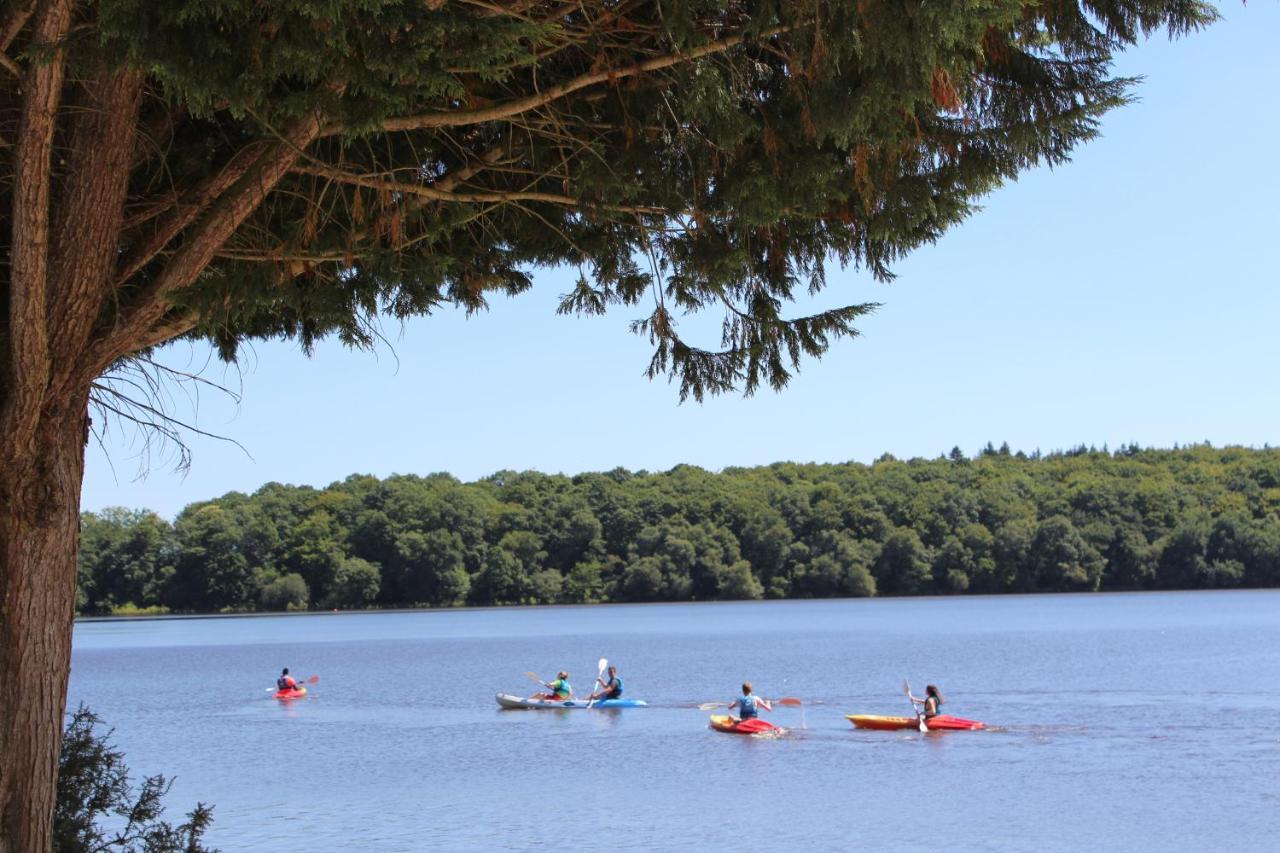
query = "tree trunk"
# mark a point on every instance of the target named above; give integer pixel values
(39, 542)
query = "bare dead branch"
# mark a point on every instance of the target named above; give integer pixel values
(141, 391)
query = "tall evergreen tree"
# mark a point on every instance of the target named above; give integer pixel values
(289, 168)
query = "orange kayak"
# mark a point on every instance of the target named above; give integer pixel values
(296, 693)
(942, 722)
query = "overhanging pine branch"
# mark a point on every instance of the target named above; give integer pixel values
(221, 221)
(510, 109)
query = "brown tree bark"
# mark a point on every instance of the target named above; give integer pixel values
(41, 467)
(39, 541)
(63, 274)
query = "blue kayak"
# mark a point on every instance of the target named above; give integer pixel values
(506, 700)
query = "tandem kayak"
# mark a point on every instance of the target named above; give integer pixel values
(724, 723)
(296, 693)
(942, 722)
(513, 703)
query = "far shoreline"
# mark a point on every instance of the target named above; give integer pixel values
(747, 601)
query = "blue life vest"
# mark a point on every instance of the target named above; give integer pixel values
(747, 704)
(613, 689)
(282, 683)
(561, 689)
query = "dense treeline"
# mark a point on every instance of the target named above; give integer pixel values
(1083, 520)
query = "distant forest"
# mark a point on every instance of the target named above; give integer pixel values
(1081, 520)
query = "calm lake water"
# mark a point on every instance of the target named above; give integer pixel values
(1134, 722)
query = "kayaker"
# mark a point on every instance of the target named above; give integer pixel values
(286, 681)
(932, 701)
(748, 706)
(612, 689)
(560, 689)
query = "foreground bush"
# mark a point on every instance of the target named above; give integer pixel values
(98, 809)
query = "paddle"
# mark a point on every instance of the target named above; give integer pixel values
(600, 667)
(533, 677)
(906, 688)
(542, 683)
(790, 701)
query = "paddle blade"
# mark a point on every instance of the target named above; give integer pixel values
(708, 706)
(788, 700)
(602, 666)
(315, 679)
(533, 677)
(923, 727)
(906, 687)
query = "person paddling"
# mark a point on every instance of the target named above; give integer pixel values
(932, 701)
(748, 706)
(612, 689)
(286, 681)
(560, 689)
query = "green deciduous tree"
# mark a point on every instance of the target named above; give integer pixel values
(313, 552)
(212, 571)
(355, 584)
(429, 568)
(1130, 560)
(643, 580)
(584, 584)
(126, 557)
(285, 592)
(1060, 558)
(839, 565)
(902, 566)
(516, 527)
(736, 582)
(1182, 561)
(501, 579)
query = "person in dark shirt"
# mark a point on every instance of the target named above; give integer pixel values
(611, 689)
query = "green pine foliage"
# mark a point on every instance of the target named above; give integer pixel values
(1082, 520)
(98, 808)
(686, 155)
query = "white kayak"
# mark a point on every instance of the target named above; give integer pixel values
(506, 700)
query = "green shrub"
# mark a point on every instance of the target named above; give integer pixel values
(287, 592)
(98, 809)
(131, 609)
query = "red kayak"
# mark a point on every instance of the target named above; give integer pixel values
(942, 722)
(295, 693)
(722, 723)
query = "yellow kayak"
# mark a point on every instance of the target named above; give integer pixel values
(942, 721)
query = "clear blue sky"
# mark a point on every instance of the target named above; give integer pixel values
(1129, 296)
